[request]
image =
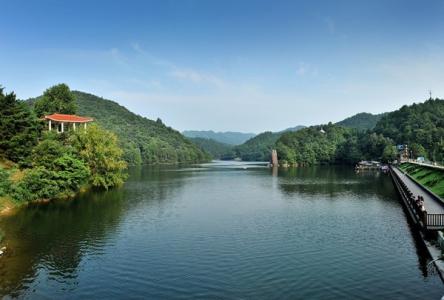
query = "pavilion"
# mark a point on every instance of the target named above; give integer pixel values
(62, 122)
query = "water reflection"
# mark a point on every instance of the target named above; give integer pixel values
(334, 181)
(52, 239)
(221, 231)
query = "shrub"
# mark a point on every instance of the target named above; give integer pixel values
(5, 183)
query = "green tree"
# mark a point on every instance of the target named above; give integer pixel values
(57, 171)
(417, 150)
(70, 172)
(56, 99)
(143, 141)
(19, 129)
(99, 149)
(390, 153)
(48, 150)
(37, 184)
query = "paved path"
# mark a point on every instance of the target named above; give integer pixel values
(431, 204)
(438, 167)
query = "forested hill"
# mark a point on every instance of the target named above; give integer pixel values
(295, 128)
(421, 126)
(361, 121)
(259, 148)
(229, 137)
(216, 149)
(144, 141)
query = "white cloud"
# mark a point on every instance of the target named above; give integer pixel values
(180, 73)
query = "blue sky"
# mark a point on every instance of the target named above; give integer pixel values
(229, 65)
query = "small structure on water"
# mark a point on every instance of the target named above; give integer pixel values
(274, 158)
(62, 122)
(368, 165)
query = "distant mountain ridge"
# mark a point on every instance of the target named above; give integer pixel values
(228, 137)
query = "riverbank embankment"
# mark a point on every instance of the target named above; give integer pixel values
(427, 176)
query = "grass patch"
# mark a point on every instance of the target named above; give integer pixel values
(431, 178)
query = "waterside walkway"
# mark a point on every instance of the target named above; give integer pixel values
(432, 204)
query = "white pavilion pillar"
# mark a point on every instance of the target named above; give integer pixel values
(74, 126)
(84, 125)
(63, 127)
(50, 125)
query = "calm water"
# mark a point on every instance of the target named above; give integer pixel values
(221, 231)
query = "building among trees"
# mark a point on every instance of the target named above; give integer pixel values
(63, 122)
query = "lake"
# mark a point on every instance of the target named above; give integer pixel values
(224, 230)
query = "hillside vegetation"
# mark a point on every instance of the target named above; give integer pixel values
(421, 126)
(330, 143)
(144, 141)
(431, 178)
(216, 149)
(361, 121)
(257, 148)
(40, 165)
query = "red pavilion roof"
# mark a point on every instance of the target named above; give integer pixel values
(68, 118)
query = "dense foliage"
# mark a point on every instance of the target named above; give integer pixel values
(333, 144)
(257, 148)
(99, 149)
(294, 128)
(4, 182)
(216, 149)
(361, 121)
(229, 137)
(19, 129)
(56, 171)
(310, 145)
(56, 99)
(143, 141)
(419, 125)
(53, 165)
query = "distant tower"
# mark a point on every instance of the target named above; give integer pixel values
(430, 93)
(274, 158)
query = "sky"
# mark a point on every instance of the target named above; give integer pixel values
(223, 65)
